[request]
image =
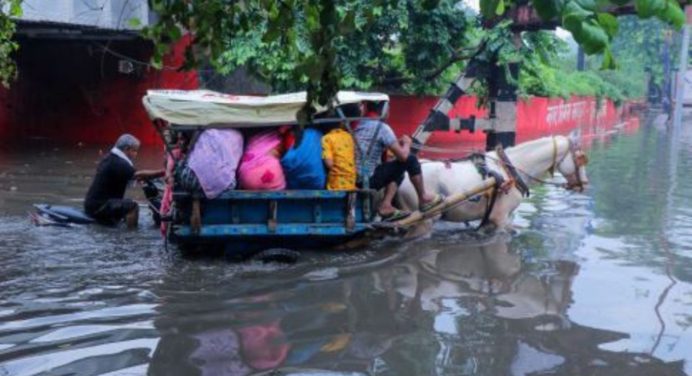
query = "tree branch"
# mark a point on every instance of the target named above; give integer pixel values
(456, 57)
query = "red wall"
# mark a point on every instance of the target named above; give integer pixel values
(72, 92)
(536, 117)
(408, 112)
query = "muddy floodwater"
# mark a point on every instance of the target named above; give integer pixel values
(598, 283)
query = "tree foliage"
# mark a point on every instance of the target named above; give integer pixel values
(591, 24)
(546, 73)
(405, 47)
(311, 42)
(8, 45)
(321, 45)
(640, 45)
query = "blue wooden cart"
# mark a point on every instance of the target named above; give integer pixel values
(248, 221)
(244, 222)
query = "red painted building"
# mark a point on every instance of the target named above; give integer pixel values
(71, 91)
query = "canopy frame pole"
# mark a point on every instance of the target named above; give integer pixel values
(158, 126)
(367, 205)
(347, 123)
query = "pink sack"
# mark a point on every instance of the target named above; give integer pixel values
(259, 168)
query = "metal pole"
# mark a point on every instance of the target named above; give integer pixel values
(581, 59)
(684, 56)
(666, 91)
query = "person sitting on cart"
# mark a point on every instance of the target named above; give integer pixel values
(339, 154)
(105, 200)
(374, 137)
(302, 162)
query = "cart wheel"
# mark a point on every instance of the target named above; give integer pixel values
(282, 255)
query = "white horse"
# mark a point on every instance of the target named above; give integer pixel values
(531, 160)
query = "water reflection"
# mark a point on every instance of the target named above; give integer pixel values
(585, 284)
(448, 309)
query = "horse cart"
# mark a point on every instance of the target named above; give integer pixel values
(244, 222)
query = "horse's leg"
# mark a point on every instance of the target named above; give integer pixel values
(504, 206)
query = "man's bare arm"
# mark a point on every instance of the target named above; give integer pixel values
(149, 174)
(402, 148)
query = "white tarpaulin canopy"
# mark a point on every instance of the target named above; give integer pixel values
(204, 107)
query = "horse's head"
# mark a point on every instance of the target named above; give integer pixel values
(573, 165)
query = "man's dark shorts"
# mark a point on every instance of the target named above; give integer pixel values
(113, 211)
(393, 171)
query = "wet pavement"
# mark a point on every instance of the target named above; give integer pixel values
(598, 283)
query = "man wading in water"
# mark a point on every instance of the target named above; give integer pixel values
(105, 199)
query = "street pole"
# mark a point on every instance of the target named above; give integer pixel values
(684, 56)
(581, 59)
(666, 85)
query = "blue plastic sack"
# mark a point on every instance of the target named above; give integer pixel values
(302, 164)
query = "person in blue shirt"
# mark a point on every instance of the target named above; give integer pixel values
(302, 163)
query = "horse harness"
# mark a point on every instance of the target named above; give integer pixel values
(479, 161)
(511, 171)
(578, 158)
(515, 179)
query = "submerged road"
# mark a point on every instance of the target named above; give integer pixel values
(598, 283)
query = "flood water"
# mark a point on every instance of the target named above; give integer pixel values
(598, 283)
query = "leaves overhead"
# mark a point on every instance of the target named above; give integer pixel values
(594, 28)
(8, 70)
(640, 47)
(324, 45)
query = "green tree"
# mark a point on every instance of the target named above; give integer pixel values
(640, 45)
(308, 35)
(8, 9)
(405, 47)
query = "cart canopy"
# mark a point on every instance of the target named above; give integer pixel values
(209, 108)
